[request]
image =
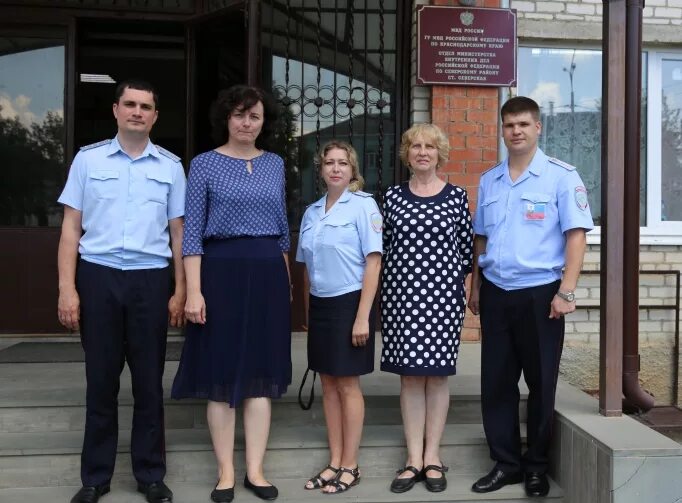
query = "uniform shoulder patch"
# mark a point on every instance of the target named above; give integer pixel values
(376, 221)
(95, 145)
(167, 153)
(361, 193)
(492, 168)
(561, 163)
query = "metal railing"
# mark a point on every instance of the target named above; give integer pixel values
(656, 307)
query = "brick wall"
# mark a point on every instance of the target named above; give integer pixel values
(581, 20)
(580, 360)
(468, 115)
(655, 11)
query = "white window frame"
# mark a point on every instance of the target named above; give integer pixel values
(655, 231)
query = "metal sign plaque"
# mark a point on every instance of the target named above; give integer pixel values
(466, 46)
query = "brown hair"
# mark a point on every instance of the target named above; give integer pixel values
(518, 105)
(240, 97)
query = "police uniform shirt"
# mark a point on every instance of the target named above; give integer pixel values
(524, 221)
(334, 244)
(125, 203)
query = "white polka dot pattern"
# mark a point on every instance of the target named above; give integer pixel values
(224, 200)
(428, 244)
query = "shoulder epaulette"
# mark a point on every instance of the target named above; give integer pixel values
(361, 193)
(561, 163)
(168, 154)
(95, 145)
(492, 168)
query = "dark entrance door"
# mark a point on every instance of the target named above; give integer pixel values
(32, 158)
(217, 59)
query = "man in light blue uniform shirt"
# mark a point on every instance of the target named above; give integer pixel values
(531, 218)
(123, 207)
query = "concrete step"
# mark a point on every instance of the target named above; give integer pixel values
(34, 459)
(41, 397)
(185, 414)
(370, 490)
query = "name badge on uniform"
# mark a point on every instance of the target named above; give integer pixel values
(535, 211)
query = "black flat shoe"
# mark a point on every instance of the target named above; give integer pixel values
(263, 492)
(435, 484)
(156, 492)
(495, 480)
(403, 485)
(90, 494)
(536, 484)
(222, 495)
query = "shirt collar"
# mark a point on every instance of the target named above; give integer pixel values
(320, 203)
(150, 149)
(536, 167)
(539, 163)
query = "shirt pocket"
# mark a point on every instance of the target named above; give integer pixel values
(535, 206)
(491, 211)
(340, 234)
(104, 184)
(158, 186)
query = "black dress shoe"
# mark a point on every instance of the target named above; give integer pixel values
(536, 484)
(222, 495)
(435, 484)
(495, 480)
(405, 484)
(263, 492)
(156, 492)
(90, 494)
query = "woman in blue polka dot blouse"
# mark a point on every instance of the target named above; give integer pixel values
(238, 343)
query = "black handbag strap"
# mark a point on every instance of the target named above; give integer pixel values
(311, 398)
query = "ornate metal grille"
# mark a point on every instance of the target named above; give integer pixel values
(332, 66)
(175, 6)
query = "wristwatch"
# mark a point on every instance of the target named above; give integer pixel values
(568, 296)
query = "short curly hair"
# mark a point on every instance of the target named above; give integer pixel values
(429, 132)
(241, 97)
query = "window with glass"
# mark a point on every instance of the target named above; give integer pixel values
(332, 66)
(671, 138)
(567, 85)
(31, 130)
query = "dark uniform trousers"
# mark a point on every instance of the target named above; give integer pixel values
(124, 317)
(518, 335)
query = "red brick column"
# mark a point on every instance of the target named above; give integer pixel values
(468, 115)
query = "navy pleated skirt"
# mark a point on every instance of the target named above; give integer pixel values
(244, 349)
(330, 330)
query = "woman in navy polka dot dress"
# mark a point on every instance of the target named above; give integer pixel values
(428, 253)
(238, 342)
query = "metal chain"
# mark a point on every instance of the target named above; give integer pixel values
(380, 105)
(286, 51)
(351, 35)
(318, 100)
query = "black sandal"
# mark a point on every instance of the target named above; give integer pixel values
(339, 485)
(318, 482)
(403, 485)
(435, 484)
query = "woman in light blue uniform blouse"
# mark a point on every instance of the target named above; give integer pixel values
(340, 244)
